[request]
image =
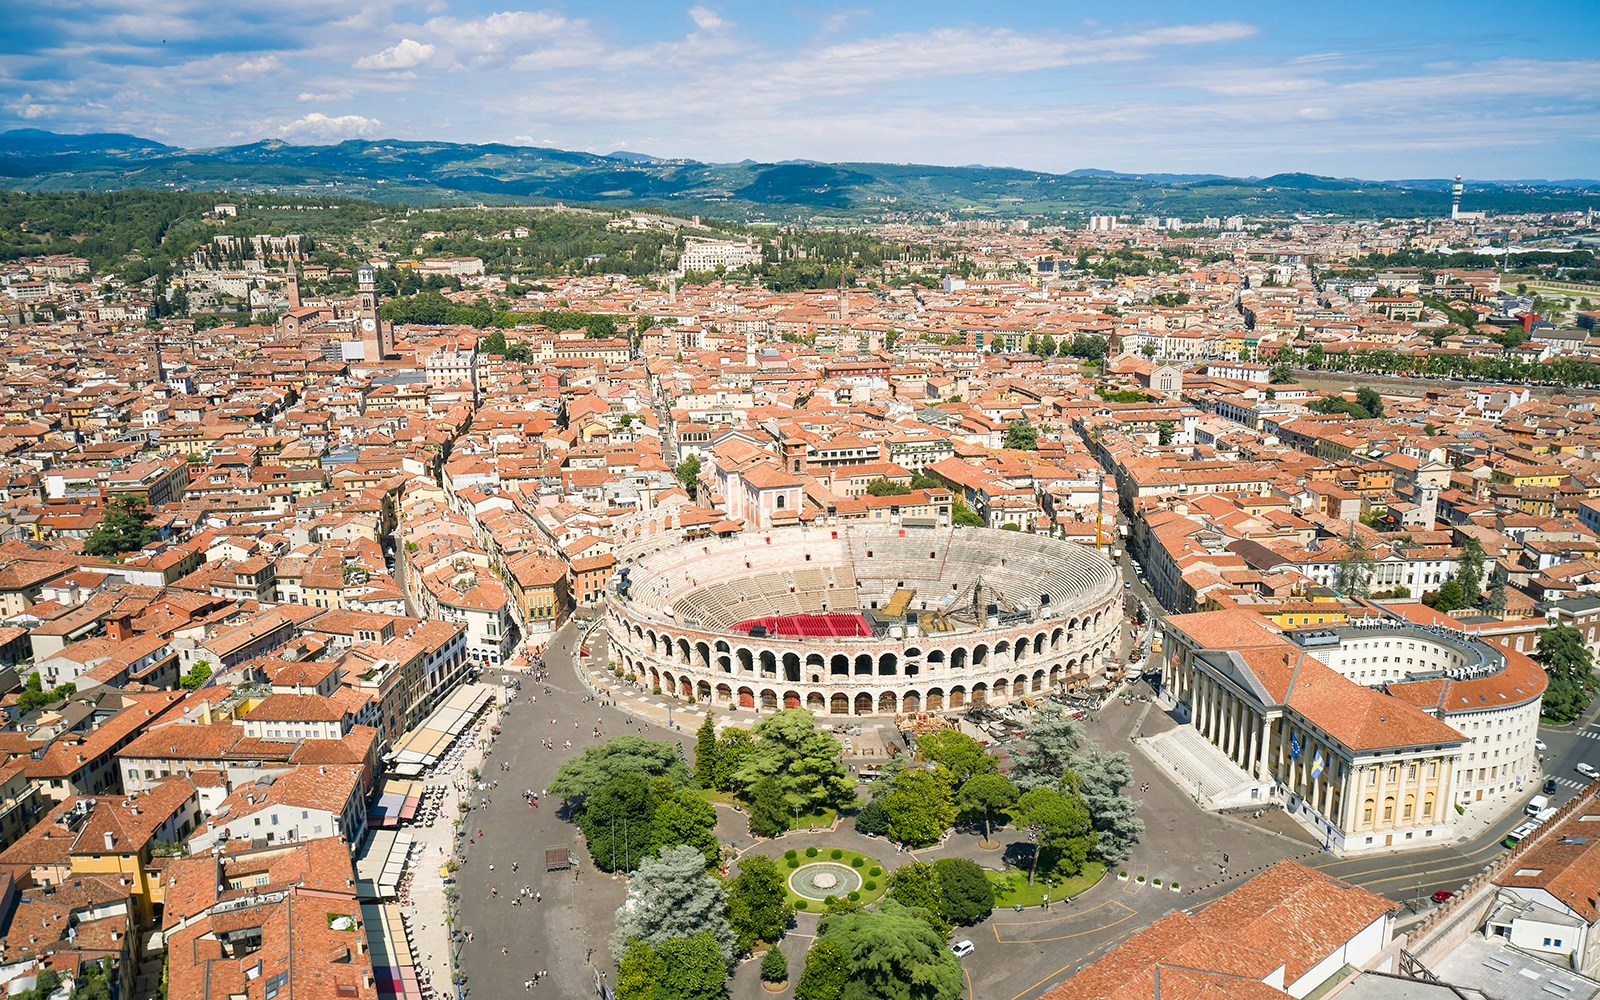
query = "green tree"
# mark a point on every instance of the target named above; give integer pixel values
(1570, 670)
(1469, 571)
(758, 902)
(765, 808)
(639, 972)
(688, 473)
(1165, 431)
(692, 969)
(1495, 601)
(732, 747)
(961, 755)
(1051, 744)
(892, 955)
(920, 807)
(125, 527)
(872, 820)
(1101, 778)
(1281, 373)
(617, 822)
(882, 487)
(1353, 575)
(774, 966)
(1449, 597)
(915, 885)
(986, 795)
(1021, 435)
(197, 676)
(620, 755)
(966, 895)
(682, 816)
(1148, 350)
(804, 760)
(705, 753)
(1060, 827)
(826, 973)
(673, 897)
(1369, 400)
(964, 517)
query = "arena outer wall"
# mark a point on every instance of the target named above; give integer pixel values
(670, 625)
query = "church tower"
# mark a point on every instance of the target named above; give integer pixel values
(376, 336)
(293, 289)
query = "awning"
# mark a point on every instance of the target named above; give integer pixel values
(380, 864)
(423, 746)
(397, 801)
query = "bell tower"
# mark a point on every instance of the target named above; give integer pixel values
(376, 337)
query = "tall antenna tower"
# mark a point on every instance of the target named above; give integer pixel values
(1455, 199)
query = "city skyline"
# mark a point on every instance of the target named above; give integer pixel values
(1384, 94)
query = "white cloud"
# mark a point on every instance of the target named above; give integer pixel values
(403, 55)
(307, 96)
(319, 125)
(706, 19)
(32, 111)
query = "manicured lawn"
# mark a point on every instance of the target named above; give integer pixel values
(724, 798)
(845, 858)
(1011, 886)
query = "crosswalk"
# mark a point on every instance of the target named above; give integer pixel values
(1572, 783)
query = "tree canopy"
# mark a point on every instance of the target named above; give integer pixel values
(673, 897)
(890, 955)
(803, 760)
(125, 527)
(758, 903)
(1568, 666)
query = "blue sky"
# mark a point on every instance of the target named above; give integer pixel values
(1352, 88)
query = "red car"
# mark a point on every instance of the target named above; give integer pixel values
(1443, 896)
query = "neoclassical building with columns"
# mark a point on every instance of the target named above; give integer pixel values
(1370, 734)
(863, 619)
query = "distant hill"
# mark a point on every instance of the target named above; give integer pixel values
(445, 172)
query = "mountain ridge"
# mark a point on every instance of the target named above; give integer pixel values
(409, 170)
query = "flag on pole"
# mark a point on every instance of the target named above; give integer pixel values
(1317, 765)
(1294, 747)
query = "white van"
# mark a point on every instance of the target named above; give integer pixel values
(1536, 804)
(1587, 771)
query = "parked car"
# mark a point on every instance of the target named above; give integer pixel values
(1443, 896)
(1539, 746)
(1549, 786)
(1587, 771)
(961, 949)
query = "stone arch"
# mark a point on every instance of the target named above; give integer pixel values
(864, 703)
(935, 701)
(886, 703)
(1369, 807)
(1019, 650)
(936, 658)
(792, 699)
(1038, 643)
(958, 658)
(791, 667)
(1002, 647)
(666, 646)
(769, 700)
(683, 652)
(911, 702)
(747, 698)
(1019, 685)
(1072, 625)
(767, 660)
(655, 678)
(863, 663)
(1055, 640)
(688, 692)
(958, 696)
(816, 702)
(1000, 689)
(1055, 677)
(888, 665)
(980, 655)
(815, 663)
(669, 684)
(703, 650)
(747, 661)
(1038, 681)
(839, 665)
(724, 693)
(839, 704)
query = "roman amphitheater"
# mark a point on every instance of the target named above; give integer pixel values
(864, 620)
